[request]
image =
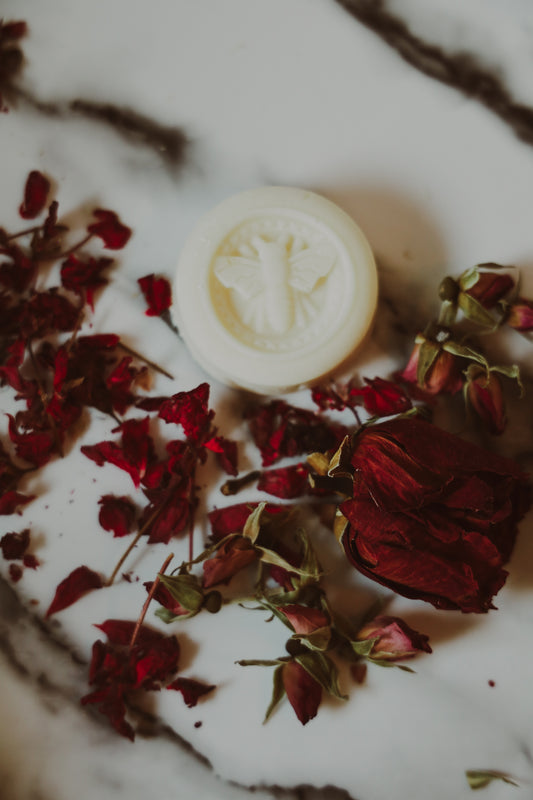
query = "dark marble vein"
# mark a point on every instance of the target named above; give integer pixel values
(458, 70)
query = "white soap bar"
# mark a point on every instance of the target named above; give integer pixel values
(275, 288)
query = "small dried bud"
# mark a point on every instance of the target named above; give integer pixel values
(520, 316)
(395, 640)
(485, 395)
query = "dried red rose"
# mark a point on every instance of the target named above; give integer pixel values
(432, 517)
(394, 639)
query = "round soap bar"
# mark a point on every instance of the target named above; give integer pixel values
(275, 288)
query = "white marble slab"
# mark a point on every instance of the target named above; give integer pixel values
(303, 94)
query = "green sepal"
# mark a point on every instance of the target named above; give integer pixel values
(323, 670)
(252, 526)
(469, 278)
(340, 525)
(268, 556)
(186, 589)
(339, 465)
(166, 615)
(278, 691)
(479, 778)
(318, 639)
(463, 351)
(319, 462)
(475, 312)
(363, 647)
(426, 356)
(383, 663)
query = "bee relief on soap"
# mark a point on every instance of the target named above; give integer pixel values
(275, 281)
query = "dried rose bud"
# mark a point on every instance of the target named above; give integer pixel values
(395, 640)
(490, 288)
(442, 375)
(520, 315)
(432, 517)
(485, 395)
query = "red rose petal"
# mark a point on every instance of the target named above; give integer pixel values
(79, 582)
(35, 194)
(157, 294)
(191, 690)
(110, 229)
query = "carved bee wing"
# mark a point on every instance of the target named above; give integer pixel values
(309, 265)
(241, 274)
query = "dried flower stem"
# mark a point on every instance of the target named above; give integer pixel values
(147, 361)
(133, 544)
(149, 598)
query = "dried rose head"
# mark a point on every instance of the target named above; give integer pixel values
(432, 517)
(394, 639)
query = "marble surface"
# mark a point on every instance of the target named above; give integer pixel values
(417, 119)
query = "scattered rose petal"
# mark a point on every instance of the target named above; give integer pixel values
(157, 294)
(35, 194)
(80, 581)
(14, 545)
(191, 690)
(117, 514)
(110, 229)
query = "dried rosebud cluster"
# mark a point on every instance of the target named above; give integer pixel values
(446, 358)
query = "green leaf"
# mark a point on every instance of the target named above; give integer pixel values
(474, 311)
(319, 462)
(186, 589)
(316, 640)
(383, 663)
(252, 526)
(323, 670)
(269, 556)
(426, 356)
(166, 615)
(340, 525)
(479, 778)
(363, 647)
(278, 691)
(469, 278)
(339, 465)
(463, 351)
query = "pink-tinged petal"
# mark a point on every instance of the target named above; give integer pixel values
(232, 557)
(35, 194)
(520, 316)
(304, 620)
(303, 692)
(395, 639)
(80, 581)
